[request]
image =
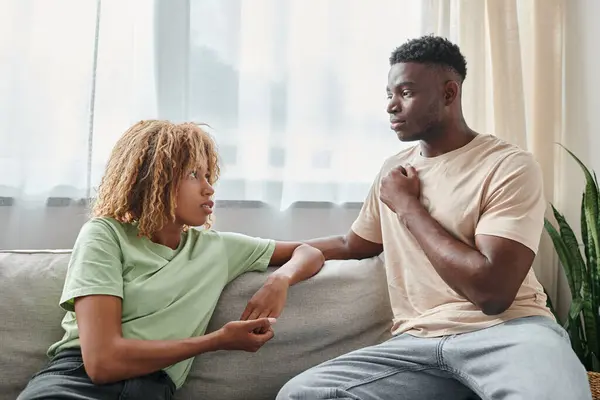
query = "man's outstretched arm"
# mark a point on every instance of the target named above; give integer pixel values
(346, 247)
(363, 239)
(300, 261)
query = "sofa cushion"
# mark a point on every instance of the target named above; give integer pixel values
(342, 308)
(29, 286)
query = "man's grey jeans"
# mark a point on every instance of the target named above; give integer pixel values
(524, 359)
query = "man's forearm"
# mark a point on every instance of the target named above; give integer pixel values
(332, 247)
(459, 265)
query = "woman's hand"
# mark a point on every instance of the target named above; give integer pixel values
(246, 335)
(298, 263)
(269, 300)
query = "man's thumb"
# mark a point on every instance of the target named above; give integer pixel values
(410, 171)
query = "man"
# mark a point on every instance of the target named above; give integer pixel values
(460, 217)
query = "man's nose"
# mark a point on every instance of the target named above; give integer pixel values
(392, 107)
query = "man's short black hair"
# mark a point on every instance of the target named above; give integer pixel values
(434, 50)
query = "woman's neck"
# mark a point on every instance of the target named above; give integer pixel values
(169, 235)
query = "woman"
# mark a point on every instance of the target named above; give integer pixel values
(142, 284)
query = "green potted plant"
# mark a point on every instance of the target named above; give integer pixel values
(581, 263)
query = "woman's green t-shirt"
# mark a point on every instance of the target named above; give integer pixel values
(167, 294)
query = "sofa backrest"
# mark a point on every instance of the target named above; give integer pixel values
(343, 308)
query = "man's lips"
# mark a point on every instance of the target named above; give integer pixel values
(396, 123)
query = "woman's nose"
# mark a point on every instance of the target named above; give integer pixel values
(208, 190)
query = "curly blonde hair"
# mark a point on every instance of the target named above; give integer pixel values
(145, 169)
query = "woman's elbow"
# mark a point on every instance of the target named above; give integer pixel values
(100, 368)
(313, 254)
(99, 373)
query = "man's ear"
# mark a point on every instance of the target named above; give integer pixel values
(451, 90)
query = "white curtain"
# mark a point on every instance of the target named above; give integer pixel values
(294, 91)
(67, 94)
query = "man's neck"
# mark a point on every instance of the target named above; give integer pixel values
(449, 140)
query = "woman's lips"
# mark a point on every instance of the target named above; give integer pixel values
(208, 206)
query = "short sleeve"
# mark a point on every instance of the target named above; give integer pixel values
(95, 267)
(368, 223)
(246, 253)
(514, 205)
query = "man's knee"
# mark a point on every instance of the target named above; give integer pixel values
(304, 386)
(286, 392)
(293, 389)
(570, 387)
(550, 368)
(569, 381)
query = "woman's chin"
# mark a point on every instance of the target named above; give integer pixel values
(196, 222)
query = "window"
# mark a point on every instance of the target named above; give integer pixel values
(294, 90)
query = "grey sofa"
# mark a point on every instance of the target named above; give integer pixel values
(343, 308)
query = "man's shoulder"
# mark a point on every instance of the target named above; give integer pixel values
(507, 157)
(491, 145)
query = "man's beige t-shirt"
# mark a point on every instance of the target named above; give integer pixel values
(485, 187)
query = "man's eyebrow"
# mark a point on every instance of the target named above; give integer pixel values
(401, 84)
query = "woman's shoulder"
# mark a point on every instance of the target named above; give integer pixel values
(103, 224)
(196, 234)
(105, 227)
(230, 240)
(209, 236)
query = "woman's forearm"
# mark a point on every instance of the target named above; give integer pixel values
(129, 358)
(305, 262)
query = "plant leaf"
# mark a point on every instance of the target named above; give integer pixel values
(577, 342)
(587, 249)
(576, 307)
(591, 201)
(592, 226)
(567, 324)
(563, 254)
(577, 265)
(589, 293)
(577, 330)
